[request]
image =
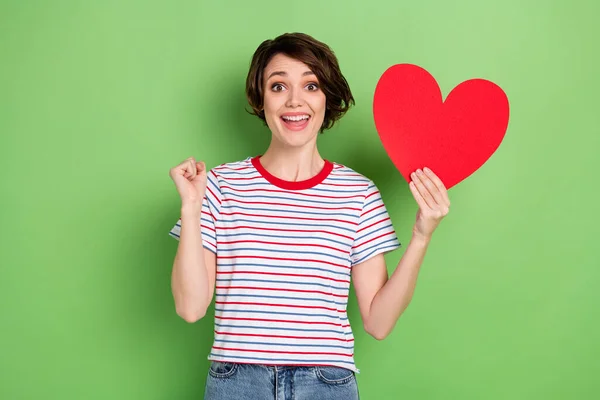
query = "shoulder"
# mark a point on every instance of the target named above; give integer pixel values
(232, 169)
(342, 175)
(348, 175)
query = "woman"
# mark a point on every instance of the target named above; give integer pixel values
(281, 235)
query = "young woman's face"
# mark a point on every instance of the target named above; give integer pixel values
(294, 103)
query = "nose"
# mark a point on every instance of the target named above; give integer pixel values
(294, 98)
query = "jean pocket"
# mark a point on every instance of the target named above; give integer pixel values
(219, 369)
(334, 375)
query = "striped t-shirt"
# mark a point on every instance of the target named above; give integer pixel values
(285, 251)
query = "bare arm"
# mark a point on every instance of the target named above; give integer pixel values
(381, 300)
(194, 270)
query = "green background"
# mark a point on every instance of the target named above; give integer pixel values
(99, 99)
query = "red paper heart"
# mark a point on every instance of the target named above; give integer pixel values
(453, 138)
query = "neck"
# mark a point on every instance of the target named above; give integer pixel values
(292, 164)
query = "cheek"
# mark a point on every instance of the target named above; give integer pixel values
(321, 103)
(272, 103)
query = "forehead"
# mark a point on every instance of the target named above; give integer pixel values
(285, 64)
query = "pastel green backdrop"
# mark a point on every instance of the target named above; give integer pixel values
(100, 99)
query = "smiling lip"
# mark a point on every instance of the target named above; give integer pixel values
(295, 125)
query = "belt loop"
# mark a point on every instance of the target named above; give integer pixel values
(276, 385)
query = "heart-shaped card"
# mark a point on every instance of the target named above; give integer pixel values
(418, 129)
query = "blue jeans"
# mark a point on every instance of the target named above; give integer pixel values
(233, 381)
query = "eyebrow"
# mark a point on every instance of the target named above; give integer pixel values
(283, 73)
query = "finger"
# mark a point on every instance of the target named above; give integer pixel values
(431, 188)
(440, 185)
(192, 168)
(181, 169)
(200, 167)
(417, 195)
(185, 168)
(423, 191)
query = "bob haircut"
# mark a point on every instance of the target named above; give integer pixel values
(318, 57)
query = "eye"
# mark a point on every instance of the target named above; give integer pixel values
(277, 87)
(313, 87)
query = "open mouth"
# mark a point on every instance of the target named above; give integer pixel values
(295, 122)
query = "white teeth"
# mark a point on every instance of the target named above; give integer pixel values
(295, 118)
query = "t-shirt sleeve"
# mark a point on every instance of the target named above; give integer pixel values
(375, 233)
(211, 206)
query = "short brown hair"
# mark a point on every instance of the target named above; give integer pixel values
(318, 57)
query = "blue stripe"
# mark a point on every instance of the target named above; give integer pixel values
(206, 234)
(345, 169)
(208, 221)
(345, 259)
(380, 250)
(286, 344)
(386, 227)
(214, 182)
(282, 329)
(331, 191)
(374, 216)
(392, 238)
(203, 233)
(345, 274)
(291, 211)
(281, 313)
(291, 223)
(225, 296)
(328, 361)
(377, 244)
(375, 200)
(347, 180)
(279, 237)
(357, 192)
(254, 196)
(208, 198)
(286, 282)
(255, 172)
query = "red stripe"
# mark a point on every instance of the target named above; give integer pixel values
(283, 337)
(288, 192)
(287, 217)
(281, 289)
(281, 320)
(372, 194)
(287, 244)
(350, 173)
(272, 362)
(292, 205)
(286, 259)
(207, 211)
(285, 230)
(244, 178)
(375, 238)
(241, 303)
(213, 195)
(373, 224)
(223, 167)
(372, 209)
(282, 274)
(207, 227)
(346, 184)
(284, 352)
